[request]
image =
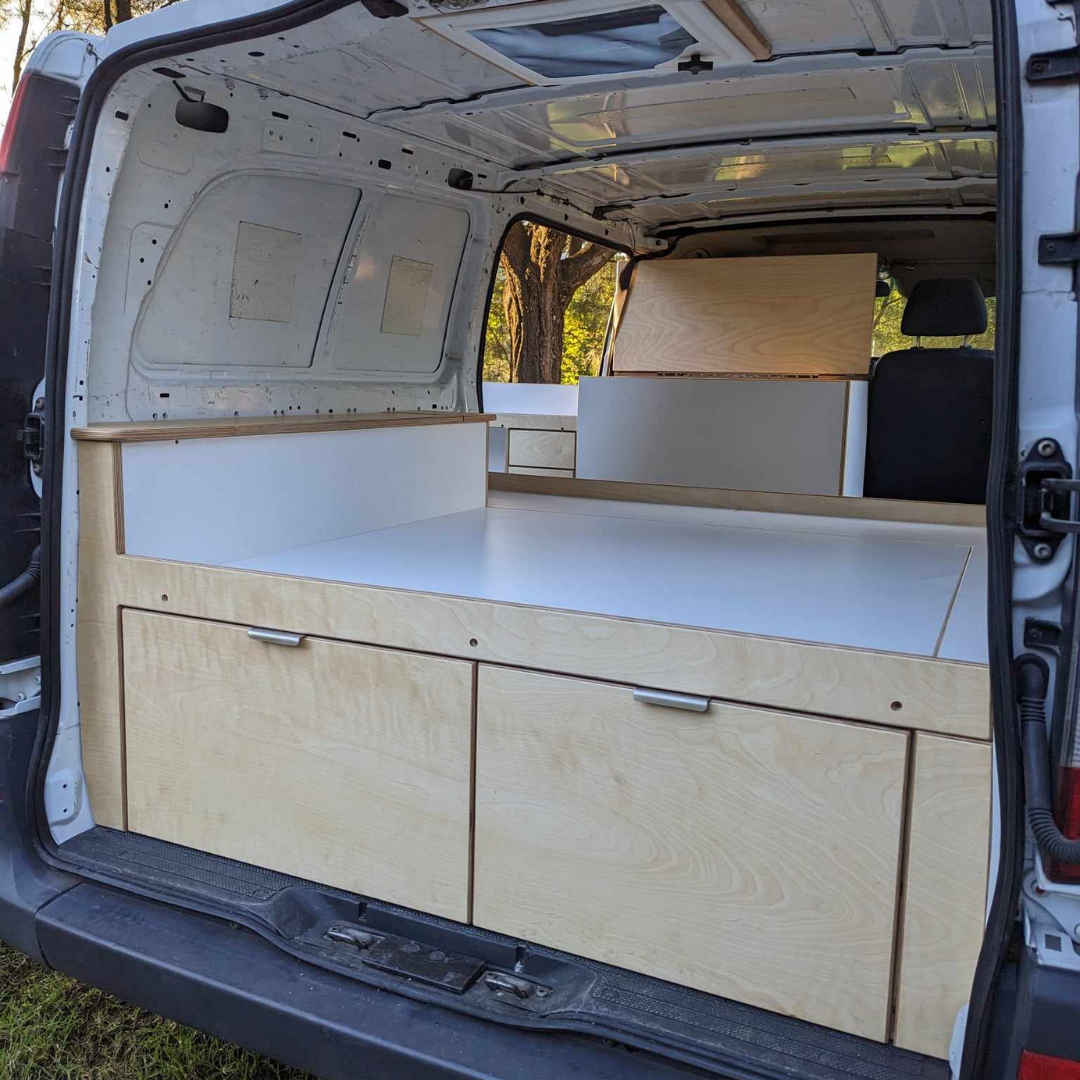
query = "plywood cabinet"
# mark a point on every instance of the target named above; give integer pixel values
(340, 763)
(745, 852)
(945, 889)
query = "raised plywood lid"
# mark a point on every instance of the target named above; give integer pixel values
(807, 315)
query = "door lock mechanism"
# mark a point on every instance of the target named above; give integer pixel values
(32, 436)
(1046, 513)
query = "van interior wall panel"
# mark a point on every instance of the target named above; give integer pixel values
(228, 499)
(745, 853)
(196, 219)
(784, 315)
(393, 301)
(759, 435)
(243, 281)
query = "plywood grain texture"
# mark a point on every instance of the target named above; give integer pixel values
(783, 315)
(746, 853)
(542, 449)
(945, 895)
(345, 765)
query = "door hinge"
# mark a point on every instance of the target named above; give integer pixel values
(1057, 66)
(1046, 513)
(32, 436)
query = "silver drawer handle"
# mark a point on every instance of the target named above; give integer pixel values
(275, 637)
(668, 700)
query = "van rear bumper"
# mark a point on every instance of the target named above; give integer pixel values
(230, 982)
(27, 883)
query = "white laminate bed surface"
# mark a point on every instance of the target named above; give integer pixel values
(858, 587)
(966, 635)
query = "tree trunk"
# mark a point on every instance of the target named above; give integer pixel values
(544, 268)
(25, 10)
(123, 10)
(106, 14)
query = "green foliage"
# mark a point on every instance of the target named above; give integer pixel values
(584, 325)
(497, 336)
(889, 311)
(52, 1028)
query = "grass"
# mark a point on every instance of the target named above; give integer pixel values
(53, 1028)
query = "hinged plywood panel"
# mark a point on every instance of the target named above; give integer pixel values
(343, 764)
(747, 853)
(783, 315)
(945, 894)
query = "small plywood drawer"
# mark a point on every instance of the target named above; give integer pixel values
(748, 853)
(343, 764)
(542, 449)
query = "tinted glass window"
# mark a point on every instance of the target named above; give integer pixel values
(637, 39)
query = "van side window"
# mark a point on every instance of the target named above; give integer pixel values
(549, 308)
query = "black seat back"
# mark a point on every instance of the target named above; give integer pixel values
(930, 410)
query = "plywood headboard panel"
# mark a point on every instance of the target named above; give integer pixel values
(782, 315)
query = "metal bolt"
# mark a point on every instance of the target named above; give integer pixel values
(1046, 447)
(1042, 551)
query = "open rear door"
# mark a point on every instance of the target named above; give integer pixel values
(1024, 1013)
(32, 157)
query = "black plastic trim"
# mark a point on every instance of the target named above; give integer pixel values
(26, 881)
(1001, 512)
(231, 983)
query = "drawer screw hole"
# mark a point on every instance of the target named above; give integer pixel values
(164, 596)
(473, 642)
(896, 706)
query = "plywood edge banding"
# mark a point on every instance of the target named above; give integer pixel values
(773, 502)
(222, 427)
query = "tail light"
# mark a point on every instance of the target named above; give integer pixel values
(1044, 1067)
(1068, 806)
(12, 123)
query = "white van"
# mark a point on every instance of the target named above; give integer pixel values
(714, 718)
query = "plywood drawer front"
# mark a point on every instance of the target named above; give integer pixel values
(748, 853)
(521, 469)
(340, 763)
(542, 449)
(945, 893)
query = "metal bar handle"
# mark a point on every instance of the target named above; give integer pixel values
(275, 637)
(668, 700)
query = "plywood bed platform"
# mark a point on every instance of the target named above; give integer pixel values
(887, 586)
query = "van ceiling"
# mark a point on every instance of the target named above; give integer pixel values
(854, 103)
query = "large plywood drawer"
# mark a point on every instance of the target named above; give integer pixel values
(340, 763)
(745, 852)
(542, 449)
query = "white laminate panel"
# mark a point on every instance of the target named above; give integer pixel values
(864, 592)
(966, 633)
(754, 435)
(540, 398)
(218, 500)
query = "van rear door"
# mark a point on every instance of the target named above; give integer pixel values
(32, 158)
